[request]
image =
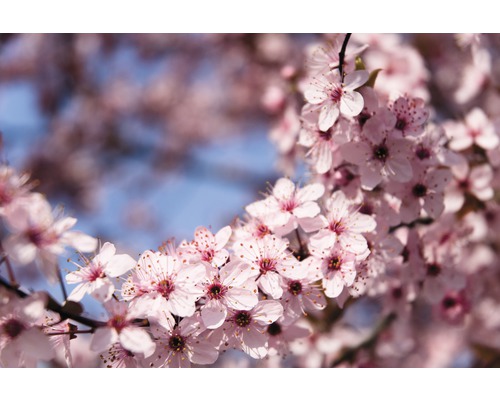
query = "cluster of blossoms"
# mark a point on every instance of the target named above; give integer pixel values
(399, 210)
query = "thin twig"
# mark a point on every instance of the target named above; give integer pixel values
(63, 288)
(342, 55)
(10, 271)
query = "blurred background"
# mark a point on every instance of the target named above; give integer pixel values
(144, 136)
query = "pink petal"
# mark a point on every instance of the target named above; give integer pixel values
(333, 286)
(108, 250)
(241, 299)
(270, 283)
(119, 264)
(284, 188)
(213, 314)
(311, 192)
(328, 115)
(356, 152)
(103, 338)
(351, 104)
(434, 204)
(254, 343)
(355, 79)
(137, 340)
(20, 249)
(34, 343)
(267, 311)
(222, 237)
(308, 209)
(204, 353)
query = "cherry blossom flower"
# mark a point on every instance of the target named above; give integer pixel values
(344, 224)
(411, 116)
(232, 287)
(93, 278)
(378, 154)
(22, 341)
(166, 283)
(287, 206)
(335, 97)
(425, 190)
(179, 345)
(476, 129)
(246, 329)
(322, 145)
(454, 307)
(120, 328)
(284, 134)
(36, 235)
(475, 181)
(119, 357)
(12, 186)
(280, 337)
(208, 248)
(337, 266)
(271, 260)
(302, 296)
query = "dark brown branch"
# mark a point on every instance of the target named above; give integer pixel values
(342, 55)
(349, 354)
(54, 306)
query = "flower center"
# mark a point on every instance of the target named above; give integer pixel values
(334, 263)
(165, 287)
(243, 318)
(96, 272)
(326, 136)
(274, 329)
(337, 227)
(266, 265)
(401, 124)
(13, 328)
(422, 153)
(449, 302)
(433, 269)
(295, 288)
(419, 190)
(336, 93)
(207, 255)
(118, 322)
(381, 152)
(177, 343)
(262, 230)
(216, 291)
(288, 205)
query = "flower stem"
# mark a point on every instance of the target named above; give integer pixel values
(342, 55)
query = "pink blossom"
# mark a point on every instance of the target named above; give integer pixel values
(93, 278)
(12, 186)
(280, 336)
(208, 248)
(246, 329)
(344, 224)
(36, 235)
(22, 341)
(119, 357)
(120, 328)
(287, 206)
(284, 134)
(337, 267)
(425, 190)
(270, 260)
(475, 181)
(378, 154)
(166, 282)
(476, 129)
(411, 116)
(232, 287)
(179, 345)
(335, 97)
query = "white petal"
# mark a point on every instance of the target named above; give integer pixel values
(284, 188)
(204, 353)
(213, 314)
(328, 115)
(311, 192)
(119, 264)
(137, 340)
(351, 104)
(103, 338)
(267, 311)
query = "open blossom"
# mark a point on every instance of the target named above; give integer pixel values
(411, 116)
(475, 181)
(425, 190)
(335, 97)
(93, 278)
(120, 328)
(270, 260)
(378, 154)
(344, 224)
(280, 336)
(166, 282)
(208, 248)
(179, 345)
(475, 129)
(337, 266)
(232, 287)
(12, 186)
(302, 296)
(37, 235)
(322, 144)
(287, 206)
(246, 329)
(22, 341)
